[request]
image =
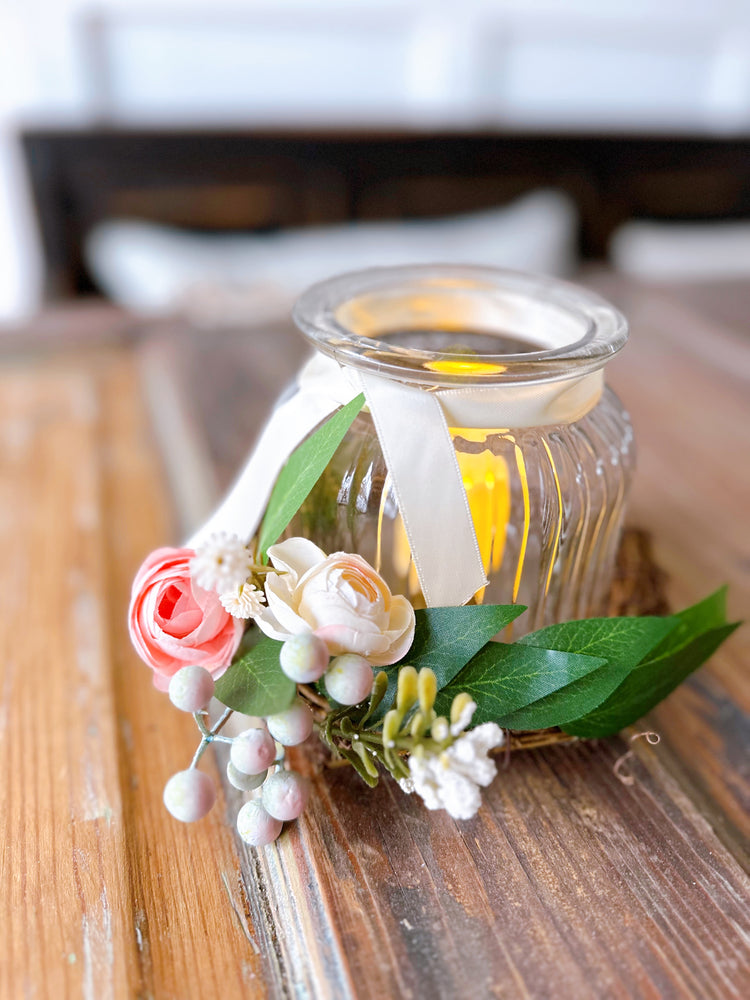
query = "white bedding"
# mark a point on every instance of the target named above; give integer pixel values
(226, 279)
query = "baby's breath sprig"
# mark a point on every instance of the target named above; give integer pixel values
(225, 564)
(427, 753)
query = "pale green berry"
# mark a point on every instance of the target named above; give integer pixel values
(253, 751)
(245, 782)
(255, 826)
(293, 725)
(285, 795)
(304, 658)
(191, 689)
(189, 795)
(349, 679)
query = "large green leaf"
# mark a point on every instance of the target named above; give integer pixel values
(503, 678)
(647, 685)
(445, 639)
(700, 630)
(255, 684)
(707, 614)
(302, 471)
(623, 642)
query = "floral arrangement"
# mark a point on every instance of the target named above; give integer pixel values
(302, 641)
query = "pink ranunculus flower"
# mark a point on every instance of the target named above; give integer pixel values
(173, 622)
(338, 597)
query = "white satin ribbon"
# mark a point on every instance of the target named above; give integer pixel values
(421, 459)
(412, 425)
(242, 509)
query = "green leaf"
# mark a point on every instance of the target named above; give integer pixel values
(504, 678)
(623, 642)
(305, 466)
(707, 614)
(255, 684)
(699, 632)
(647, 685)
(445, 639)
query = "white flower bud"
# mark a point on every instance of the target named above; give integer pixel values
(349, 679)
(451, 779)
(221, 563)
(191, 689)
(244, 601)
(245, 782)
(439, 730)
(285, 795)
(253, 751)
(304, 658)
(255, 826)
(293, 725)
(189, 795)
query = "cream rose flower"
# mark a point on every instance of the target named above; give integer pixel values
(338, 597)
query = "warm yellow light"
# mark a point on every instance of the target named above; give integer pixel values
(521, 465)
(487, 483)
(455, 367)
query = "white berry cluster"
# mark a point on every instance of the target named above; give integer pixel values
(255, 764)
(283, 794)
(190, 794)
(256, 755)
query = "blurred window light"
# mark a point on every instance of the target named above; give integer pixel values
(727, 98)
(600, 80)
(673, 65)
(259, 63)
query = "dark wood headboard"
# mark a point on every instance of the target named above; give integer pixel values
(261, 180)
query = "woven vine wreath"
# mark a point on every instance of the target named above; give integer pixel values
(302, 641)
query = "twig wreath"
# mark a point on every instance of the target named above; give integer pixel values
(305, 641)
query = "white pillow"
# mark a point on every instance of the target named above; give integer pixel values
(675, 251)
(239, 278)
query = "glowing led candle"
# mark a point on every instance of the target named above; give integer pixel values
(542, 448)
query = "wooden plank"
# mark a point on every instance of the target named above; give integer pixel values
(104, 895)
(61, 816)
(567, 883)
(686, 380)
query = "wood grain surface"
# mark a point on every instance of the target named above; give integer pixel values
(100, 897)
(586, 873)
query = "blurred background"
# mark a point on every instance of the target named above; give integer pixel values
(218, 157)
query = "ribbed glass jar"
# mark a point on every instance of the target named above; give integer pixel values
(547, 496)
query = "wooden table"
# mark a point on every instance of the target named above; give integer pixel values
(570, 882)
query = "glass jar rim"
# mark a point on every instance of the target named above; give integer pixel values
(333, 313)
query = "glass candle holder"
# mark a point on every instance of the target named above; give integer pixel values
(544, 448)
